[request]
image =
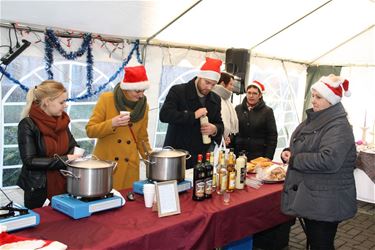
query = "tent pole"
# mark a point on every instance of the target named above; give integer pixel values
(341, 44)
(299, 19)
(174, 20)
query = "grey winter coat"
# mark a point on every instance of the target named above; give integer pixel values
(320, 183)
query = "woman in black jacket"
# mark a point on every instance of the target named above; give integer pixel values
(257, 127)
(43, 132)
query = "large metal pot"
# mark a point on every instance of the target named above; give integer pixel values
(89, 177)
(167, 164)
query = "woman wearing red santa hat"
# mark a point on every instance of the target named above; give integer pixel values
(257, 126)
(119, 121)
(319, 186)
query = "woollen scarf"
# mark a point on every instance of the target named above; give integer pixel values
(137, 108)
(56, 141)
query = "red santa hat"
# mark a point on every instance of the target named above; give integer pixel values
(259, 85)
(210, 69)
(9, 241)
(135, 78)
(330, 87)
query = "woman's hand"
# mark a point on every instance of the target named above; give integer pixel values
(285, 156)
(227, 140)
(120, 120)
(73, 157)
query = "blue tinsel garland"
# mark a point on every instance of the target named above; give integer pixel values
(100, 88)
(51, 41)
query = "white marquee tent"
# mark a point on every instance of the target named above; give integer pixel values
(338, 32)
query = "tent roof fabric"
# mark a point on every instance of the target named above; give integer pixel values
(338, 32)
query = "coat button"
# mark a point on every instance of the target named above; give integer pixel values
(116, 158)
(126, 159)
(128, 141)
(119, 141)
(295, 187)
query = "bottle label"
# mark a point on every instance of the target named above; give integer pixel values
(243, 175)
(223, 183)
(208, 187)
(199, 188)
(232, 180)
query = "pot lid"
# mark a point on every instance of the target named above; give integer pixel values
(90, 163)
(169, 153)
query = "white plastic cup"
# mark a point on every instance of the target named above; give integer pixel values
(149, 187)
(124, 113)
(79, 151)
(149, 198)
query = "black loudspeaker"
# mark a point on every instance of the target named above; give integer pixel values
(236, 63)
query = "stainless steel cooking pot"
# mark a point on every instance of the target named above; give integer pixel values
(167, 164)
(89, 177)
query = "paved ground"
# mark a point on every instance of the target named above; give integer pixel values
(356, 233)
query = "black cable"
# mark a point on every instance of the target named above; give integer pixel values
(10, 43)
(4, 46)
(15, 34)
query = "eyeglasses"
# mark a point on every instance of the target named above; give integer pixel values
(253, 93)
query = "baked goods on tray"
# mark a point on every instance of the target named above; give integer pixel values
(262, 162)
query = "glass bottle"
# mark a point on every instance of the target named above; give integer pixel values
(231, 173)
(199, 180)
(223, 176)
(240, 172)
(208, 175)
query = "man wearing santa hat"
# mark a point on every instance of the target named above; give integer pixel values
(119, 121)
(183, 107)
(319, 186)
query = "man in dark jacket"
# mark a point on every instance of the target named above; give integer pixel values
(183, 107)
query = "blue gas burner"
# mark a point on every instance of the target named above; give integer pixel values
(80, 207)
(182, 186)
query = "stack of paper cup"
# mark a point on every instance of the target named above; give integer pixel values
(149, 194)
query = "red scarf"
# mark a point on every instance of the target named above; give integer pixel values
(56, 140)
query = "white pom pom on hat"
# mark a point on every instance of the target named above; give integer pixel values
(331, 87)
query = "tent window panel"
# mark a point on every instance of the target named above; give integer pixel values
(10, 176)
(78, 129)
(10, 135)
(12, 113)
(18, 95)
(159, 140)
(88, 145)
(11, 157)
(80, 111)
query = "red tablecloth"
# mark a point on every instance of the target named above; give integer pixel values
(201, 225)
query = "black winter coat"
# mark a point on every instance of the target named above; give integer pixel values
(257, 130)
(35, 163)
(183, 129)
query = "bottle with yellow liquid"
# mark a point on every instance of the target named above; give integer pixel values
(223, 176)
(231, 173)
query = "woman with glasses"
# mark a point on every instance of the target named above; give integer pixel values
(257, 127)
(119, 121)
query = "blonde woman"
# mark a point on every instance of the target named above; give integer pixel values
(42, 132)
